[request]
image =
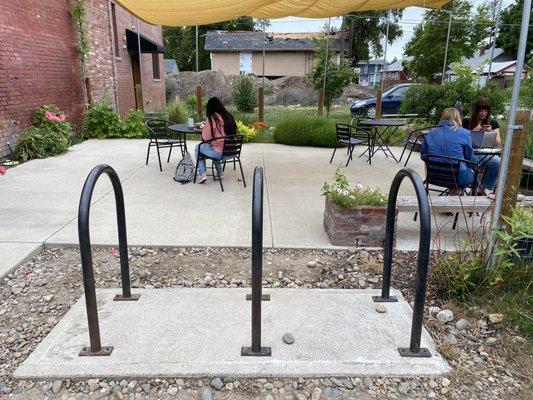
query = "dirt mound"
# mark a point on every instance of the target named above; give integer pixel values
(288, 90)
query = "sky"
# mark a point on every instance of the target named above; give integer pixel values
(411, 17)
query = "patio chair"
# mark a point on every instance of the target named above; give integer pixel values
(414, 140)
(442, 175)
(162, 138)
(230, 153)
(347, 137)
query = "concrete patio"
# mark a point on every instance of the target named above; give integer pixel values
(40, 200)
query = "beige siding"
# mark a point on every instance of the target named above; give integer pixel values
(225, 62)
(276, 63)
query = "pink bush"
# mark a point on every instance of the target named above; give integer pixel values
(52, 117)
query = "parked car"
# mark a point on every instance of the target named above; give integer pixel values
(391, 101)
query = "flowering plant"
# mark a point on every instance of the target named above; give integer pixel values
(54, 117)
(248, 132)
(259, 125)
(343, 195)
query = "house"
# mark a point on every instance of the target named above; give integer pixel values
(502, 68)
(286, 54)
(396, 71)
(39, 63)
(369, 72)
(171, 67)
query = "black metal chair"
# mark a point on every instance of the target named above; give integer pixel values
(162, 138)
(414, 140)
(231, 153)
(442, 174)
(350, 136)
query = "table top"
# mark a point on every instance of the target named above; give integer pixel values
(183, 128)
(383, 122)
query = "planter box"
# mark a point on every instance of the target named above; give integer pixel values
(362, 226)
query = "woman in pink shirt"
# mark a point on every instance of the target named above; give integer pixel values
(219, 124)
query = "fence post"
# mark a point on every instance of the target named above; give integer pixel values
(257, 268)
(414, 350)
(378, 102)
(199, 102)
(320, 110)
(516, 158)
(261, 104)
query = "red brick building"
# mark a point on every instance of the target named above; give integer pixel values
(39, 62)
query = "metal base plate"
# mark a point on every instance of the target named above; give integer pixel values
(264, 297)
(133, 297)
(264, 352)
(379, 299)
(406, 352)
(86, 351)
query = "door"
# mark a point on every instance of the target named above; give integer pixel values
(137, 86)
(245, 63)
(392, 102)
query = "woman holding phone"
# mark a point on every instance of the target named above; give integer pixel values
(481, 120)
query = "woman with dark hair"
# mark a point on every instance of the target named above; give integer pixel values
(219, 124)
(481, 120)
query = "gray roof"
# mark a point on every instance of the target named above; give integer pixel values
(397, 66)
(253, 41)
(482, 58)
(170, 66)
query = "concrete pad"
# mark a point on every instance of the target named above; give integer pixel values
(200, 332)
(14, 254)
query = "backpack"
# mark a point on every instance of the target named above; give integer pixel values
(185, 170)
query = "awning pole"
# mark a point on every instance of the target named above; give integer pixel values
(493, 37)
(384, 73)
(446, 49)
(261, 92)
(326, 61)
(198, 87)
(504, 165)
(140, 63)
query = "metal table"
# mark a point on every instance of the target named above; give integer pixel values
(381, 130)
(183, 130)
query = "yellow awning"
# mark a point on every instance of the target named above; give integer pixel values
(202, 12)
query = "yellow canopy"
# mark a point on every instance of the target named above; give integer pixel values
(202, 12)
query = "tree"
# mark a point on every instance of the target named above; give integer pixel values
(180, 42)
(338, 76)
(428, 43)
(509, 31)
(366, 31)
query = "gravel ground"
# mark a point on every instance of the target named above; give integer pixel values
(489, 361)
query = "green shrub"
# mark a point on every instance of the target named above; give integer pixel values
(244, 94)
(305, 130)
(190, 104)
(177, 111)
(132, 126)
(248, 132)
(50, 135)
(429, 101)
(101, 121)
(41, 142)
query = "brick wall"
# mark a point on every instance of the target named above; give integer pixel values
(38, 63)
(154, 90)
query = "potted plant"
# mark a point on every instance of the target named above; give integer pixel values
(354, 216)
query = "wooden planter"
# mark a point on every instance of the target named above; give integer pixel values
(362, 226)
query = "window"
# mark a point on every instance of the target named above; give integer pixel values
(155, 66)
(115, 30)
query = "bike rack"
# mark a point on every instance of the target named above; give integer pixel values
(96, 348)
(257, 268)
(414, 349)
